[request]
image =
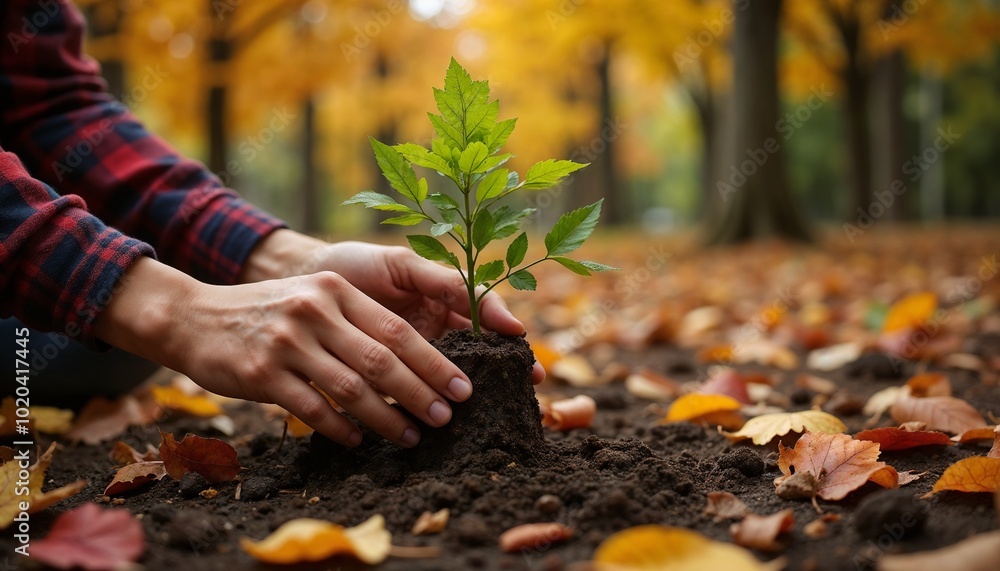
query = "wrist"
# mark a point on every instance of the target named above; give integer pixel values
(280, 254)
(144, 311)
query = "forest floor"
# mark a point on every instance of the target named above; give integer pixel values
(680, 319)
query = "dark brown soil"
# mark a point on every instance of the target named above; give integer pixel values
(624, 471)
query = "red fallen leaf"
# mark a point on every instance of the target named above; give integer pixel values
(533, 536)
(135, 475)
(91, 538)
(102, 419)
(729, 383)
(893, 438)
(975, 435)
(761, 532)
(213, 459)
(948, 414)
(567, 414)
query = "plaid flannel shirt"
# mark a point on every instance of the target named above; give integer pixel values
(102, 190)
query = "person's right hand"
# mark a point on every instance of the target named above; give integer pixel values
(268, 341)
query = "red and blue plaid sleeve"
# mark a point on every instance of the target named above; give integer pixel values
(57, 117)
(59, 264)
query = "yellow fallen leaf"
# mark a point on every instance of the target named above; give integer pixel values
(38, 500)
(763, 428)
(544, 354)
(695, 405)
(910, 312)
(655, 548)
(174, 399)
(304, 539)
(47, 419)
(976, 474)
(298, 428)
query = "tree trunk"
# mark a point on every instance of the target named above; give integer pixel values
(856, 108)
(705, 106)
(758, 204)
(888, 87)
(311, 207)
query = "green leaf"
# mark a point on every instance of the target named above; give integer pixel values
(432, 249)
(442, 202)
(481, 119)
(472, 158)
(517, 249)
(398, 171)
(378, 201)
(493, 162)
(507, 221)
(572, 229)
(464, 103)
(483, 230)
(512, 180)
(523, 280)
(491, 185)
(548, 173)
(449, 136)
(410, 219)
(572, 265)
(499, 133)
(596, 267)
(441, 149)
(441, 228)
(489, 271)
(420, 156)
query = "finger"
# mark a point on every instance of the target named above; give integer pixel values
(456, 322)
(497, 317)
(351, 391)
(406, 345)
(537, 373)
(297, 397)
(430, 319)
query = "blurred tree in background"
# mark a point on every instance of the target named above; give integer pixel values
(751, 118)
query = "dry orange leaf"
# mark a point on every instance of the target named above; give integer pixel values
(545, 355)
(567, 414)
(102, 419)
(136, 475)
(175, 399)
(929, 385)
(301, 540)
(122, 454)
(763, 428)
(656, 547)
(431, 522)
(576, 371)
(695, 406)
(839, 463)
(212, 458)
(761, 532)
(947, 414)
(724, 505)
(911, 312)
(893, 438)
(38, 500)
(976, 435)
(533, 536)
(716, 354)
(649, 385)
(297, 428)
(976, 474)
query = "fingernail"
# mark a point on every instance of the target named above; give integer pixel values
(411, 437)
(354, 439)
(439, 413)
(459, 388)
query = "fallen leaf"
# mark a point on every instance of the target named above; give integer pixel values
(882, 401)
(122, 454)
(908, 477)
(976, 474)
(761, 532)
(815, 384)
(816, 529)
(576, 371)
(431, 522)
(174, 399)
(544, 354)
(763, 428)
(910, 312)
(301, 540)
(297, 428)
(46, 419)
(887, 477)
(724, 505)
(656, 548)
(976, 435)
(567, 414)
(833, 357)
(649, 385)
(695, 406)
(729, 383)
(899, 439)
(38, 500)
(977, 553)
(715, 354)
(533, 536)
(840, 463)
(133, 476)
(947, 414)
(102, 419)
(929, 385)
(93, 538)
(213, 459)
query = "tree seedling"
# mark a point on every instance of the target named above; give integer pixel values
(466, 150)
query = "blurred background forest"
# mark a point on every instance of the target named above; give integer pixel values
(741, 117)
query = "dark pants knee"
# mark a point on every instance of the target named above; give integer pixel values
(66, 373)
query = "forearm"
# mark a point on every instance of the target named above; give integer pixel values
(283, 253)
